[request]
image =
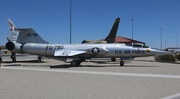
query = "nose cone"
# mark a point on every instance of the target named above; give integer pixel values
(160, 52)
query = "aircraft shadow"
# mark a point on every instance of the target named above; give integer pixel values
(16, 63)
(28, 61)
(12, 65)
(62, 66)
(138, 66)
(69, 66)
(104, 62)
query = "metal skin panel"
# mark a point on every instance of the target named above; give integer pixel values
(34, 48)
(29, 35)
(90, 50)
(17, 48)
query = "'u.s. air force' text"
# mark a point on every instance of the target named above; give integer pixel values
(129, 52)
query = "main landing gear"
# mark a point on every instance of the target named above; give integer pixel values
(40, 58)
(113, 59)
(13, 57)
(121, 63)
(76, 62)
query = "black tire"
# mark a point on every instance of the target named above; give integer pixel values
(113, 59)
(39, 59)
(73, 63)
(121, 63)
(14, 59)
(78, 62)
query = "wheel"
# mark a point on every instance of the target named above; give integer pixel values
(73, 63)
(113, 59)
(121, 63)
(83, 60)
(39, 59)
(14, 59)
(78, 62)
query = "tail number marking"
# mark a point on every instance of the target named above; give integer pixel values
(32, 34)
(55, 47)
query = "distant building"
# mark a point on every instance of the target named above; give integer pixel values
(120, 39)
(2, 47)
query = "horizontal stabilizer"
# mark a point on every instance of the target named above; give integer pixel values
(30, 30)
(68, 53)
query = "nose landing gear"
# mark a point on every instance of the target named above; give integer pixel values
(113, 59)
(76, 62)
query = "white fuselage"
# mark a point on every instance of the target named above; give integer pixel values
(105, 50)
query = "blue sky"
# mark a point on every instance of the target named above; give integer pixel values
(93, 19)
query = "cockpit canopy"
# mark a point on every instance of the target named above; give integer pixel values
(138, 45)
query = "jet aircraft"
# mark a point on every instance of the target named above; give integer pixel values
(110, 38)
(29, 41)
(14, 33)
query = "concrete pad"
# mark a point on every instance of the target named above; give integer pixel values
(138, 79)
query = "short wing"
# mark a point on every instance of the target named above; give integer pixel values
(68, 53)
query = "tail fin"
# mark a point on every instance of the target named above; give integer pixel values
(112, 35)
(11, 24)
(13, 34)
(23, 35)
(28, 35)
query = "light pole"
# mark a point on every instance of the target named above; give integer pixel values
(177, 42)
(161, 37)
(70, 19)
(132, 37)
(165, 44)
(132, 28)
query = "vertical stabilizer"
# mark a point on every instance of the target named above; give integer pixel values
(112, 35)
(28, 35)
(13, 34)
(11, 24)
(23, 35)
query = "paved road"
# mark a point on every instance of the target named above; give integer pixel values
(95, 79)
